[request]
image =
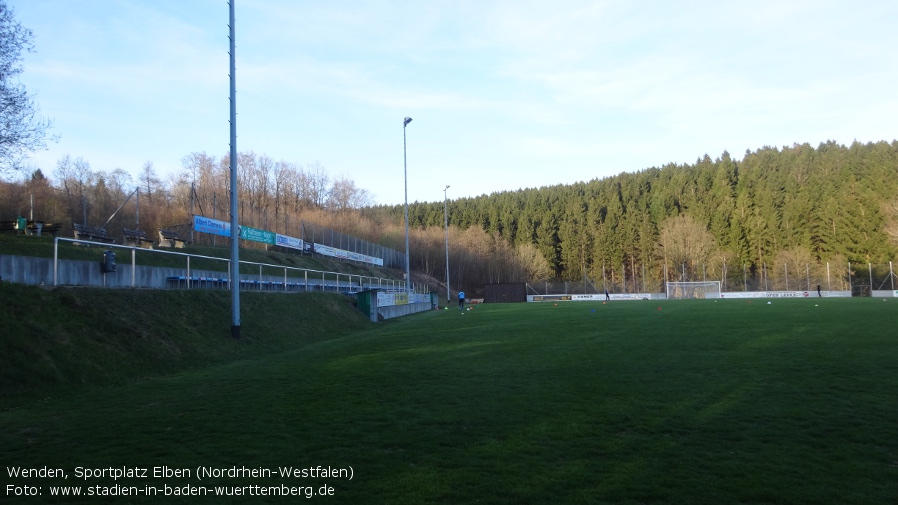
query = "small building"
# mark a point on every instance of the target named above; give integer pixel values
(511, 292)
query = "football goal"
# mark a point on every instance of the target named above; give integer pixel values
(688, 290)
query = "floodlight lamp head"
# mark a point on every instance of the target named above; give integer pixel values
(406, 121)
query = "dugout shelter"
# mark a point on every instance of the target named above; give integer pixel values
(510, 292)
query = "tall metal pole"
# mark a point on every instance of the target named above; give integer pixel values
(446, 223)
(870, 269)
(891, 276)
(235, 233)
(408, 270)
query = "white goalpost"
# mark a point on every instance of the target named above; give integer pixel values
(693, 290)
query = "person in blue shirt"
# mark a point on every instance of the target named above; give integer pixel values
(461, 300)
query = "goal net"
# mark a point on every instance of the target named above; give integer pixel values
(690, 290)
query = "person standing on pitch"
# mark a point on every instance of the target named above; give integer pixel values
(461, 300)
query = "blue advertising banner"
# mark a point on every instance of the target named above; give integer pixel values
(213, 226)
(223, 228)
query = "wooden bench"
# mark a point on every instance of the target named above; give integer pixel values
(92, 234)
(137, 238)
(33, 227)
(171, 238)
(46, 228)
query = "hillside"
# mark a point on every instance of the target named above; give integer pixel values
(800, 203)
(56, 340)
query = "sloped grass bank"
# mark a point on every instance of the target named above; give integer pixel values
(59, 340)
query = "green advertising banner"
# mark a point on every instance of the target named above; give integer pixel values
(256, 235)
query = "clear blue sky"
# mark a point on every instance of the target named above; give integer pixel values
(505, 94)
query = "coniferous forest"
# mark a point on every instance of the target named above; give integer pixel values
(800, 205)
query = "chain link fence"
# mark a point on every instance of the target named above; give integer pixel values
(861, 279)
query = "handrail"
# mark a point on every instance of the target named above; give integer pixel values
(133, 249)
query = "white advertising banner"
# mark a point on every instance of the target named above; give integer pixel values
(768, 294)
(324, 250)
(612, 296)
(419, 298)
(588, 298)
(291, 242)
(390, 299)
(333, 252)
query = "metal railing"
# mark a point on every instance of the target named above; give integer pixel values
(292, 279)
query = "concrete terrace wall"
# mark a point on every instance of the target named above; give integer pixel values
(403, 310)
(39, 271)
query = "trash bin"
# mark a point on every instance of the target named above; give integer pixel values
(108, 263)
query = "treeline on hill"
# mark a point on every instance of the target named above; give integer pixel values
(796, 205)
(279, 196)
(274, 195)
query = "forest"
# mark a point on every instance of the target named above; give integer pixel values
(798, 206)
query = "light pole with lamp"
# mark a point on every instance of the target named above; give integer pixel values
(408, 270)
(446, 223)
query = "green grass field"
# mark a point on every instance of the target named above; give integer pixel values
(692, 402)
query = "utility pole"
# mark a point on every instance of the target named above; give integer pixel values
(235, 227)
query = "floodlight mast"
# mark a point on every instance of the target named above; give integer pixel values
(446, 223)
(235, 228)
(408, 270)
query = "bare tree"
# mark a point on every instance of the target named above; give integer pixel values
(203, 174)
(63, 174)
(345, 195)
(82, 174)
(262, 176)
(685, 244)
(120, 180)
(791, 269)
(283, 186)
(149, 180)
(22, 130)
(532, 263)
(318, 183)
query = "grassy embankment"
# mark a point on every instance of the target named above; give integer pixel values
(59, 340)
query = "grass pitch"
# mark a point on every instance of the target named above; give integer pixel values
(693, 402)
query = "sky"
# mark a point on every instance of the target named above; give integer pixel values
(504, 94)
